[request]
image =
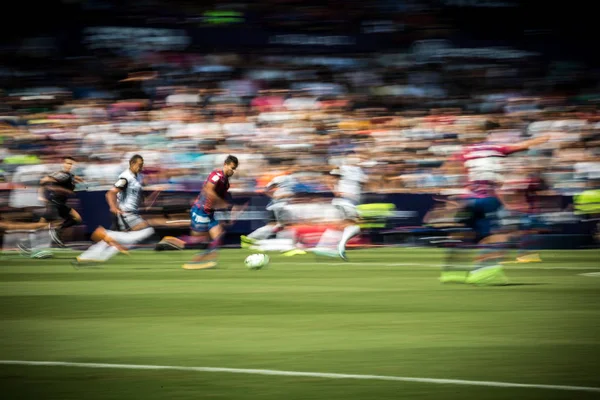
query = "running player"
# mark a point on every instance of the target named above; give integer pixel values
(482, 164)
(213, 196)
(55, 190)
(281, 189)
(129, 228)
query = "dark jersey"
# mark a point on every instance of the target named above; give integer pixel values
(221, 182)
(64, 180)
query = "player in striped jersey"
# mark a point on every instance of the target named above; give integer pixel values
(213, 196)
(482, 164)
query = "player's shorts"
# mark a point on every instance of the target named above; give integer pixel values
(481, 215)
(126, 221)
(346, 208)
(56, 210)
(277, 212)
(202, 221)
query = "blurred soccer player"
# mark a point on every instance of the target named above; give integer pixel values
(55, 190)
(280, 189)
(521, 195)
(348, 193)
(129, 228)
(479, 211)
(213, 196)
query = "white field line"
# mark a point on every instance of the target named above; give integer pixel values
(592, 274)
(304, 374)
(415, 264)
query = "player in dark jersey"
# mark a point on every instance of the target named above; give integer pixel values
(55, 191)
(213, 196)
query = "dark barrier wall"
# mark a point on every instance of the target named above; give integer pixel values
(411, 208)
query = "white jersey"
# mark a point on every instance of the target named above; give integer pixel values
(285, 186)
(131, 195)
(350, 184)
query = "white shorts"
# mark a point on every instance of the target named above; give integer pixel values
(126, 221)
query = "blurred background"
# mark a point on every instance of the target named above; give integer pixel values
(298, 86)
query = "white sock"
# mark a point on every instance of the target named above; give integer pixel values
(100, 251)
(131, 237)
(275, 245)
(329, 239)
(40, 239)
(263, 232)
(349, 233)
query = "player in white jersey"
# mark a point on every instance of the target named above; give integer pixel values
(128, 228)
(348, 193)
(281, 189)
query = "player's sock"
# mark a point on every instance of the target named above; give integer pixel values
(264, 232)
(274, 245)
(131, 237)
(457, 262)
(210, 254)
(40, 243)
(98, 252)
(192, 240)
(348, 233)
(489, 255)
(328, 242)
(329, 239)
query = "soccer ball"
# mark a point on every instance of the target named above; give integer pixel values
(256, 261)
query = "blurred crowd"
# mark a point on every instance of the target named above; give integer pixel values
(399, 118)
(399, 114)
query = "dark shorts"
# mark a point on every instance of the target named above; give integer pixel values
(481, 215)
(55, 211)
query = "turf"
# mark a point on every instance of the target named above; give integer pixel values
(384, 313)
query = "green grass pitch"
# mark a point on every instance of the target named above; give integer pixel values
(384, 313)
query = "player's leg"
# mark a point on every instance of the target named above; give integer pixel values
(351, 229)
(133, 230)
(208, 258)
(349, 216)
(492, 246)
(328, 242)
(110, 242)
(70, 218)
(191, 241)
(205, 225)
(275, 224)
(32, 238)
(460, 242)
(530, 227)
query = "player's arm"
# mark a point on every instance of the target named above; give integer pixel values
(150, 199)
(44, 183)
(111, 196)
(49, 183)
(527, 144)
